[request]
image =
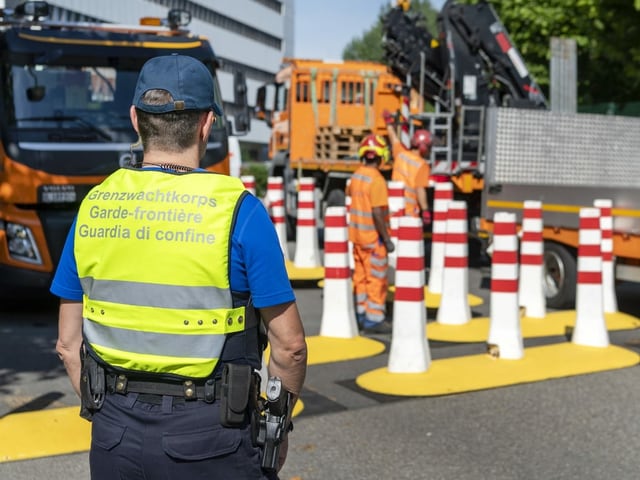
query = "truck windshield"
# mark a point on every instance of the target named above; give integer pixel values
(92, 97)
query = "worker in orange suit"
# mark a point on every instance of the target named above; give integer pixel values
(410, 166)
(369, 233)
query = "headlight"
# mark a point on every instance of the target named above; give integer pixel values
(21, 243)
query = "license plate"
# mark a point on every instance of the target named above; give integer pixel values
(58, 194)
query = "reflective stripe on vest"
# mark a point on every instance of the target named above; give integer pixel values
(170, 314)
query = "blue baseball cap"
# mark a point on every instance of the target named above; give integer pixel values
(185, 78)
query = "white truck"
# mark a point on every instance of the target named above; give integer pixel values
(565, 161)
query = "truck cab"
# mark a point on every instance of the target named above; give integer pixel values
(64, 123)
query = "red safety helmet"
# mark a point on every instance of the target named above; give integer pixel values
(373, 146)
(421, 140)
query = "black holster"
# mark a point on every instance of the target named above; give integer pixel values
(238, 386)
(92, 385)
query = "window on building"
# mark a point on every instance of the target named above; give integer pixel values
(325, 91)
(352, 93)
(302, 91)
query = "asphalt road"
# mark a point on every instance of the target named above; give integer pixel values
(582, 427)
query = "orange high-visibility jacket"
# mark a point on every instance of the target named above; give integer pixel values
(405, 169)
(367, 189)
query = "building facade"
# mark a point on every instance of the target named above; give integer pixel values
(250, 36)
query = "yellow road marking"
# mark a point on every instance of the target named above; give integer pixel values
(43, 433)
(553, 324)
(480, 372)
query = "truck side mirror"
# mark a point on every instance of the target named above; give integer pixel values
(242, 117)
(261, 106)
(240, 89)
(261, 100)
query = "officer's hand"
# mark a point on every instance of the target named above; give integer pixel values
(390, 246)
(387, 117)
(426, 217)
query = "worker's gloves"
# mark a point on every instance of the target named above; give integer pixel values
(426, 217)
(387, 117)
(390, 246)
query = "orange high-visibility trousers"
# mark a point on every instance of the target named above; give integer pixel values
(370, 280)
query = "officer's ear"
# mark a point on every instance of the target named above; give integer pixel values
(206, 125)
(133, 115)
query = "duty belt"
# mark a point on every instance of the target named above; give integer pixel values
(209, 390)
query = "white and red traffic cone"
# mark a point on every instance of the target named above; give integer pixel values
(396, 210)
(443, 193)
(609, 300)
(338, 312)
(409, 351)
(590, 327)
(274, 201)
(307, 253)
(454, 305)
(530, 292)
(504, 321)
(249, 182)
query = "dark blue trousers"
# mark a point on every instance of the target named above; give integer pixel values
(140, 438)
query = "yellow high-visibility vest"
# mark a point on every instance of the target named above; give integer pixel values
(152, 250)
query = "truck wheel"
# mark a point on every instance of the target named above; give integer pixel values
(560, 273)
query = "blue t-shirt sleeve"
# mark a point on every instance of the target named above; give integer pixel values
(66, 283)
(257, 260)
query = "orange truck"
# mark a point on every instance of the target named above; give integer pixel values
(318, 112)
(64, 123)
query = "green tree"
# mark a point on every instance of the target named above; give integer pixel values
(368, 46)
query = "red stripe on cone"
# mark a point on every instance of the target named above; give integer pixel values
(590, 223)
(337, 272)
(409, 233)
(531, 236)
(504, 286)
(590, 277)
(526, 259)
(409, 294)
(504, 228)
(589, 250)
(336, 247)
(505, 257)
(410, 264)
(331, 221)
(532, 213)
(455, 262)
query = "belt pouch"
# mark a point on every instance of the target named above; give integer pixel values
(236, 385)
(92, 385)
